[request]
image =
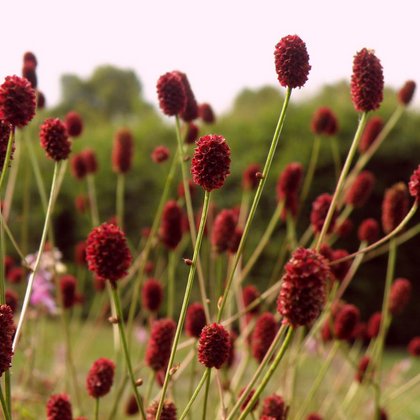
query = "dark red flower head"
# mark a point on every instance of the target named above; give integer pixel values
(15, 275)
(346, 321)
(17, 101)
(74, 124)
(314, 416)
(248, 399)
(205, 112)
(223, 230)
(249, 177)
(171, 225)
(29, 73)
(319, 212)
(190, 111)
(360, 190)
(5, 130)
(303, 292)
(78, 166)
(289, 180)
(152, 294)
(367, 81)
(344, 228)
(191, 134)
(160, 343)
(11, 299)
(40, 100)
(213, 346)
(59, 407)
(263, 335)
(374, 325)
(249, 294)
(171, 93)
(168, 411)
(406, 93)
(7, 331)
(368, 231)
(324, 122)
(274, 406)
(107, 252)
(414, 184)
(362, 368)
(292, 62)
(54, 139)
(339, 270)
(122, 152)
(370, 133)
(414, 346)
(400, 296)
(195, 320)
(29, 59)
(100, 377)
(394, 207)
(131, 407)
(160, 154)
(91, 163)
(68, 290)
(211, 162)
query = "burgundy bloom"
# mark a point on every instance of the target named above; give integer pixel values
(160, 154)
(292, 62)
(40, 100)
(171, 93)
(160, 343)
(367, 81)
(5, 131)
(249, 294)
(339, 270)
(303, 292)
(374, 325)
(289, 180)
(371, 132)
(368, 231)
(213, 346)
(231, 353)
(74, 124)
(360, 190)
(195, 320)
(171, 225)
(152, 295)
(191, 133)
(406, 93)
(248, 399)
(314, 416)
(394, 207)
(319, 212)
(17, 101)
(100, 377)
(131, 408)
(15, 275)
(181, 189)
(205, 112)
(80, 253)
(362, 368)
(346, 321)
(122, 151)
(223, 230)
(107, 252)
(414, 184)
(168, 411)
(274, 406)
(344, 228)
(91, 163)
(249, 177)
(11, 299)
(54, 139)
(190, 111)
(414, 346)
(400, 296)
(7, 331)
(29, 73)
(78, 166)
(324, 122)
(263, 335)
(235, 240)
(29, 59)
(68, 290)
(59, 407)
(211, 161)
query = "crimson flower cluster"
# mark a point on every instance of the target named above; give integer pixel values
(263, 335)
(7, 331)
(100, 377)
(171, 225)
(55, 139)
(319, 213)
(59, 407)
(168, 411)
(223, 230)
(324, 122)
(171, 93)
(371, 132)
(213, 346)
(152, 294)
(122, 151)
(195, 320)
(74, 124)
(394, 207)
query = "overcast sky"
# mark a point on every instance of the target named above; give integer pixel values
(222, 45)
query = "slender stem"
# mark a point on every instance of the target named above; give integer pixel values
(192, 377)
(13, 241)
(187, 294)
(404, 388)
(4, 406)
(120, 200)
(311, 169)
(256, 200)
(120, 316)
(268, 374)
(194, 396)
(171, 283)
(7, 157)
(206, 394)
(336, 156)
(38, 258)
(149, 387)
(341, 180)
(96, 408)
(94, 214)
(8, 386)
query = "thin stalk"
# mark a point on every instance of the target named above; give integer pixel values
(194, 396)
(341, 180)
(192, 377)
(38, 258)
(7, 157)
(120, 200)
(4, 406)
(96, 408)
(187, 295)
(404, 388)
(149, 387)
(311, 169)
(93, 205)
(268, 374)
(206, 394)
(120, 317)
(336, 156)
(26, 206)
(171, 283)
(256, 201)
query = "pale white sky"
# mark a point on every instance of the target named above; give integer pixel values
(223, 46)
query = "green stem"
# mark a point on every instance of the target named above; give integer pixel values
(194, 396)
(187, 294)
(96, 408)
(120, 200)
(192, 377)
(256, 200)
(149, 387)
(171, 283)
(206, 394)
(120, 317)
(336, 156)
(4, 406)
(311, 169)
(94, 214)
(38, 258)
(7, 157)
(341, 180)
(268, 374)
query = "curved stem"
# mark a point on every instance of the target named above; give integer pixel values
(187, 295)
(256, 200)
(341, 180)
(311, 169)
(194, 396)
